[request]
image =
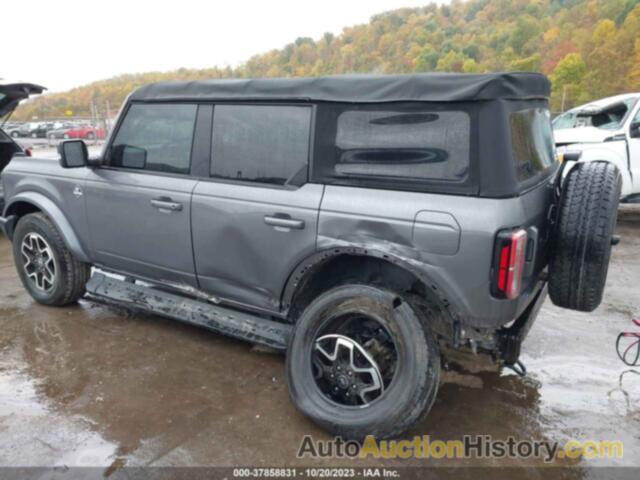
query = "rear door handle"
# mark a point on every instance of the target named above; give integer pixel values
(165, 203)
(283, 222)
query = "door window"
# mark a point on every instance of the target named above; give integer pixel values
(261, 143)
(155, 137)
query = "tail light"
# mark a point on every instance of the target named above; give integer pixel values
(509, 258)
(28, 152)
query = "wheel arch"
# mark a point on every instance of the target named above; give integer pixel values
(32, 202)
(609, 156)
(337, 266)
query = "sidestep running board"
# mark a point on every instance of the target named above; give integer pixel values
(229, 322)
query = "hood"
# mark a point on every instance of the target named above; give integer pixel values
(13, 93)
(566, 136)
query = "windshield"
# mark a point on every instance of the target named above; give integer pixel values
(566, 120)
(612, 116)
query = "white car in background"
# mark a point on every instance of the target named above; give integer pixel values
(609, 130)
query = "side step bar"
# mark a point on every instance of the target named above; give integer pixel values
(229, 322)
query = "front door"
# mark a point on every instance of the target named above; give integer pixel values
(255, 218)
(139, 205)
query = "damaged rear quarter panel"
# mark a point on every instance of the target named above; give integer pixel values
(448, 239)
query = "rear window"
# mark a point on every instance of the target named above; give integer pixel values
(532, 142)
(400, 145)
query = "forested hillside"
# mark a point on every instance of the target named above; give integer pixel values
(589, 49)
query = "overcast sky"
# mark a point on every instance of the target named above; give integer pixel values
(64, 44)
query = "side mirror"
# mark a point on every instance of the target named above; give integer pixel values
(634, 130)
(73, 154)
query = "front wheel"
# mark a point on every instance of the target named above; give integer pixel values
(46, 267)
(361, 362)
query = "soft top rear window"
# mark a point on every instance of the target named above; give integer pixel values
(531, 142)
(401, 145)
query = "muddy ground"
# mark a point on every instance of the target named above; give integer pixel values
(97, 386)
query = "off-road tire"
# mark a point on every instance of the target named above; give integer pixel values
(413, 389)
(71, 274)
(587, 215)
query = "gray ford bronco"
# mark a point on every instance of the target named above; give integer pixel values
(366, 225)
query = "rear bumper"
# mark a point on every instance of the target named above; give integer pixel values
(510, 339)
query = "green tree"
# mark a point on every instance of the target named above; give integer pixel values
(427, 59)
(567, 80)
(634, 74)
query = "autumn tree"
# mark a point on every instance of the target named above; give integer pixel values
(567, 78)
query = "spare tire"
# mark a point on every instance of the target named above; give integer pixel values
(587, 215)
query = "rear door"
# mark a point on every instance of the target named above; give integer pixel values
(255, 217)
(139, 205)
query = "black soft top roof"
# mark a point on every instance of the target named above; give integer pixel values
(429, 87)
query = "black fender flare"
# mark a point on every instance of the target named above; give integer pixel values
(57, 216)
(306, 269)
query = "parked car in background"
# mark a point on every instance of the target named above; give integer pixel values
(40, 130)
(21, 130)
(88, 132)
(59, 131)
(605, 130)
(12, 129)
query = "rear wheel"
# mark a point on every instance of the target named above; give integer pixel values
(582, 241)
(46, 267)
(361, 362)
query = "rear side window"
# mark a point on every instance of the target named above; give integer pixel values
(261, 143)
(155, 137)
(397, 145)
(531, 142)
